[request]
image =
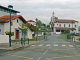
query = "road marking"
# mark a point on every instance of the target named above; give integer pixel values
(63, 45)
(40, 45)
(71, 45)
(45, 52)
(49, 47)
(32, 45)
(48, 44)
(55, 44)
(38, 58)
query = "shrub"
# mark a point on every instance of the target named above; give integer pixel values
(8, 33)
(67, 31)
(33, 35)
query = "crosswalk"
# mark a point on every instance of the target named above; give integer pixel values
(63, 45)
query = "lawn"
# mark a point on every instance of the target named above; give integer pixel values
(27, 39)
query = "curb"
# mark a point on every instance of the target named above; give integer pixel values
(74, 45)
(21, 47)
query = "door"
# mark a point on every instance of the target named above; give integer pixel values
(17, 34)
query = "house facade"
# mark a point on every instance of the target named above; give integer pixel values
(32, 22)
(6, 11)
(60, 25)
(16, 20)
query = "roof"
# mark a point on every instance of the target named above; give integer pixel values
(64, 21)
(6, 18)
(9, 9)
(30, 21)
(63, 28)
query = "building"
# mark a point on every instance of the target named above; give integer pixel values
(60, 25)
(32, 22)
(15, 24)
(6, 11)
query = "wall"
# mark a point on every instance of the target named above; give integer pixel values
(2, 28)
(2, 13)
(29, 34)
(58, 32)
(4, 40)
(67, 25)
(15, 25)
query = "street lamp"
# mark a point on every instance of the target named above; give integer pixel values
(36, 28)
(10, 7)
(72, 30)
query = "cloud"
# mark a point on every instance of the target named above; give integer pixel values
(42, 9)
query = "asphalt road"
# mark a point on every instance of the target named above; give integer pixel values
(52, 49)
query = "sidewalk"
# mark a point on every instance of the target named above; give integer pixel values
(15, 46)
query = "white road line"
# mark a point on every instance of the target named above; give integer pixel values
(71, 45)
(48, 44)
(40, 45)
(49, 47)
(38, 58)
(32, 45)
(55, 44)
(45, 52)
(63, 45)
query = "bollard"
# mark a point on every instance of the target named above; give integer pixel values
(28, 41)
(22, 41)
(46, 37)
(74, 39)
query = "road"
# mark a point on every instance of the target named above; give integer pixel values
(53, 48)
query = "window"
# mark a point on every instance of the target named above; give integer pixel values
(75, 26)
(69, 25)
(0, 30)
(64, 25)
(59, 25)
(17, 20)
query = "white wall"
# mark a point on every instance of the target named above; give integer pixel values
(58, 32)
(29, 34)
(4, 40)
(67, 25)
(15, 25)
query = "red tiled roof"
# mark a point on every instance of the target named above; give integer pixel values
(63, 28)
(6, 18)
(64, 21)
(30, 21)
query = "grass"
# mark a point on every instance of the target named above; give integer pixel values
(63, 38)
(78, 39)
(27, 39)
(78, 31)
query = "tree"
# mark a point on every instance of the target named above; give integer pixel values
(24, 28)
(56, 17)
(48, 26)
(39, 23)
(67, 31)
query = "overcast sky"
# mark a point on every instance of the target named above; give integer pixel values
(43, 9)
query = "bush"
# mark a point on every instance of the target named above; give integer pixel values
(8, 33)
(33, 35)
(67, 31)
(68, 36)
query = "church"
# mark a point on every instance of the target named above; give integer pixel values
(59, 26)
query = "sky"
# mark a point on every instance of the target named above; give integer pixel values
(43, 9)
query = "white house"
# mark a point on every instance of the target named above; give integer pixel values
(6, 11)
(60, 25)
(32, 22)
(15, 23)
